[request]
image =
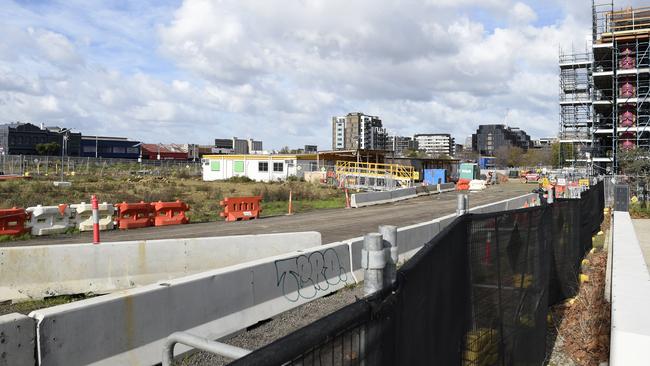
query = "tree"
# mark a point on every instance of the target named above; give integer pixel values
(285, 150)
(50, 148)
(635, 163)
(508, 156)
(562, 153)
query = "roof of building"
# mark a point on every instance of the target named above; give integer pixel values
(165, 148)
(261, 156)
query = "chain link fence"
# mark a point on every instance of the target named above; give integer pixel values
(36, 165)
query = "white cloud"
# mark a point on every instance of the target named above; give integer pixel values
(278, 70)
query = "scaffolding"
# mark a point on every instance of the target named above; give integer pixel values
(621, 83)
(576, 110)
(374, 176)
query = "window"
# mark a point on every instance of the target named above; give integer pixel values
(132, 150)
(278, 167)
(263, 166)
(105, 149)
(313, 166)
(238, 166)
(119, 150)
(89, 149)
(215, 166)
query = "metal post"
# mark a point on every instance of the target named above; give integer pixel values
(462, 201)
(373, 260)
(389, 236)
(550, 196)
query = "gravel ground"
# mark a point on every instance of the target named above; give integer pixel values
(283, 324)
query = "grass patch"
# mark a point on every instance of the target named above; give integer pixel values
(280, 208)
(28, 306)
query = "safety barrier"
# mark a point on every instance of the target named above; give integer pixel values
(83, 216)
(241, 208)
(12, 221)
(477, 185)
(134, 215)
(35, 272)
(463, 184)
(232, 299)
(17, 340)
(47, 220)
(170, 213)
(226, 301)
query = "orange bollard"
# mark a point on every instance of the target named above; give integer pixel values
(347, 199)
(290, 203)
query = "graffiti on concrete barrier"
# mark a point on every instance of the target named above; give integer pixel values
(305, 275)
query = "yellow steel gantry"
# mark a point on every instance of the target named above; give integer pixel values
(405, 174)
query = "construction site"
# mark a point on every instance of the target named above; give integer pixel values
(355, 256)
(604, 90)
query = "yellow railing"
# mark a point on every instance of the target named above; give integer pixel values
(375, 170)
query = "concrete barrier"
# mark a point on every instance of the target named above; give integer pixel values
(128, 327)
(402, 194)
(41, 271)
(630, 334)
(370, 198)
(17, 340)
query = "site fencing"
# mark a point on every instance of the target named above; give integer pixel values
(52, 166)
(477, 294)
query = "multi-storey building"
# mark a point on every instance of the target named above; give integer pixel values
(399, 144)
(604, 106)
(24, 138)
(436, 144)
(238, 146)
(489, 138)
(358, 131)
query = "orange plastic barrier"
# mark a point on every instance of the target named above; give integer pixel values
(134, 215)
(12, 221)
(462, 185)
(241, 208)
(170, 213)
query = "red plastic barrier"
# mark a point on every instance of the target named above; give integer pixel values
(134, 215)
(462, 185)
(241, 208)
(170, 213)
(12, 221)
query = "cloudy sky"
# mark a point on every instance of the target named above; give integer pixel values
(278, 70)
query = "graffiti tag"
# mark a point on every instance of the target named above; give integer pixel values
(304, 276)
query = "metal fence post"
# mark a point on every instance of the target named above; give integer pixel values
(373, 260)
(462, 201)
(389, 235)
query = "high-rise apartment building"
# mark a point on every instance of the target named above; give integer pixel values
(399, 144)
(489, 138)
(436, 144)
(604, 106)
(358, 131)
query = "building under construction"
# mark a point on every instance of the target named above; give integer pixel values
(604, 90)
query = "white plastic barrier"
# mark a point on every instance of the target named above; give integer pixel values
(129, 327)
(47, 270)
(48, 220)
(630, 280)
(17, 340)
(83, 218)
(476, 185)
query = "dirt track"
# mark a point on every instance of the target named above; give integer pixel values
(333, 224)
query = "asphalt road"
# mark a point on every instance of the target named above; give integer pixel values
(333, 224)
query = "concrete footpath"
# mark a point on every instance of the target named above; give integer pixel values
(642, 229)
(333, 224)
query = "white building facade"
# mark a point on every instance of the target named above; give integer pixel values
(436, 144)
(264, 168)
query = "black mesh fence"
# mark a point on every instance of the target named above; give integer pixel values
(477, 294)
